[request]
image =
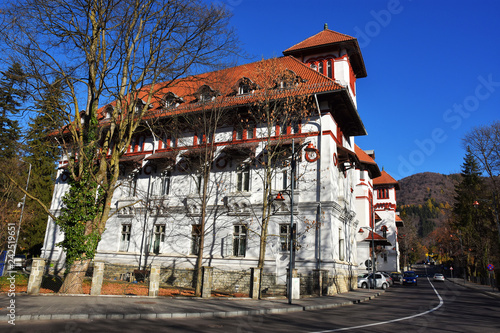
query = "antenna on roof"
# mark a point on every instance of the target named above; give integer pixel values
(325, 27)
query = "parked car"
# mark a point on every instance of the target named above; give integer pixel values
(388, 278)
(397, 277)
(438, 277)
(366, 280)
(410, 277)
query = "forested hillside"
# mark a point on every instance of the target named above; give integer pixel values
(425, 200)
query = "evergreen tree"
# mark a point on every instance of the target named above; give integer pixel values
(11, 95)
(467, 191)
(42, 154)
(468, 216)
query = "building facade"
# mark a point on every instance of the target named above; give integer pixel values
(162, 197)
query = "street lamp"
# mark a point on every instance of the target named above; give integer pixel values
(279, 197)
(22, 209)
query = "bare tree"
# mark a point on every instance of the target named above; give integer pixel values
(280, 105)
(109, 50)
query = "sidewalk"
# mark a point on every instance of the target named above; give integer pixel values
(57, 307)
(488, 290)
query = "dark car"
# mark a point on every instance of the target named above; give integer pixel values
(409, 277)
(397, 277)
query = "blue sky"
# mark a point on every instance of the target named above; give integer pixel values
(433, 69)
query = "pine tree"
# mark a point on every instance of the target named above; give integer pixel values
(41, 154)
(467, 215)
(11, 95)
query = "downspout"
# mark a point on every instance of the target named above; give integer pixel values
(318, 185)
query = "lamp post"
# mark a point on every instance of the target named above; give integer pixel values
(22, 209)
(279, 197)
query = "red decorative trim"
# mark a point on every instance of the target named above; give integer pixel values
(335, 159)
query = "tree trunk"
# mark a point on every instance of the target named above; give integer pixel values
(73, 282)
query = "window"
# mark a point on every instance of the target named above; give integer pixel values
(195, 238)
(329, 69)
(284, 174)
(320, 67)
(239, 133)
(384, 231)
(125, 238)
(199, 183)
(159, 237)
(285, 236)
(132, 185)
(341, 246)
(385, 257)
(313, 66)
(239, 240)
(140, 143)
(166, 180)
(244, 88)
(383, 193)
(250, 131)
(243, 178)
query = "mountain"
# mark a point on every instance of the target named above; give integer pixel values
(425, 200)
(418, 188)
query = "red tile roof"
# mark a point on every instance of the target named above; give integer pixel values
(225, 82)
(324, 37)
(366, 159)
(363, 157)
(386, 179)
(377, 238)
(324, 41)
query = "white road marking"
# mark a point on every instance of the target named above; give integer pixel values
(393, 320)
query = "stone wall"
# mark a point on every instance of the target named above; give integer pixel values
(223, 281)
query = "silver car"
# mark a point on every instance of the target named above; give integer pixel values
(367, 280)
(438, 277)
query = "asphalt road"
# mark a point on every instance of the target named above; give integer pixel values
(428, 307)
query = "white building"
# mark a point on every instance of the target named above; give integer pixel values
(164, 226)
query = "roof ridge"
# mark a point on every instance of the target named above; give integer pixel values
(347, 37)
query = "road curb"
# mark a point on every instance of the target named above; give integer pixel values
(489, 293)
(177, 315)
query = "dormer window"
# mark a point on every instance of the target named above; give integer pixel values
(288, 80)
(108, 113)
(244, 86)
(206, 94)
(171, 100)
(244, 89)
